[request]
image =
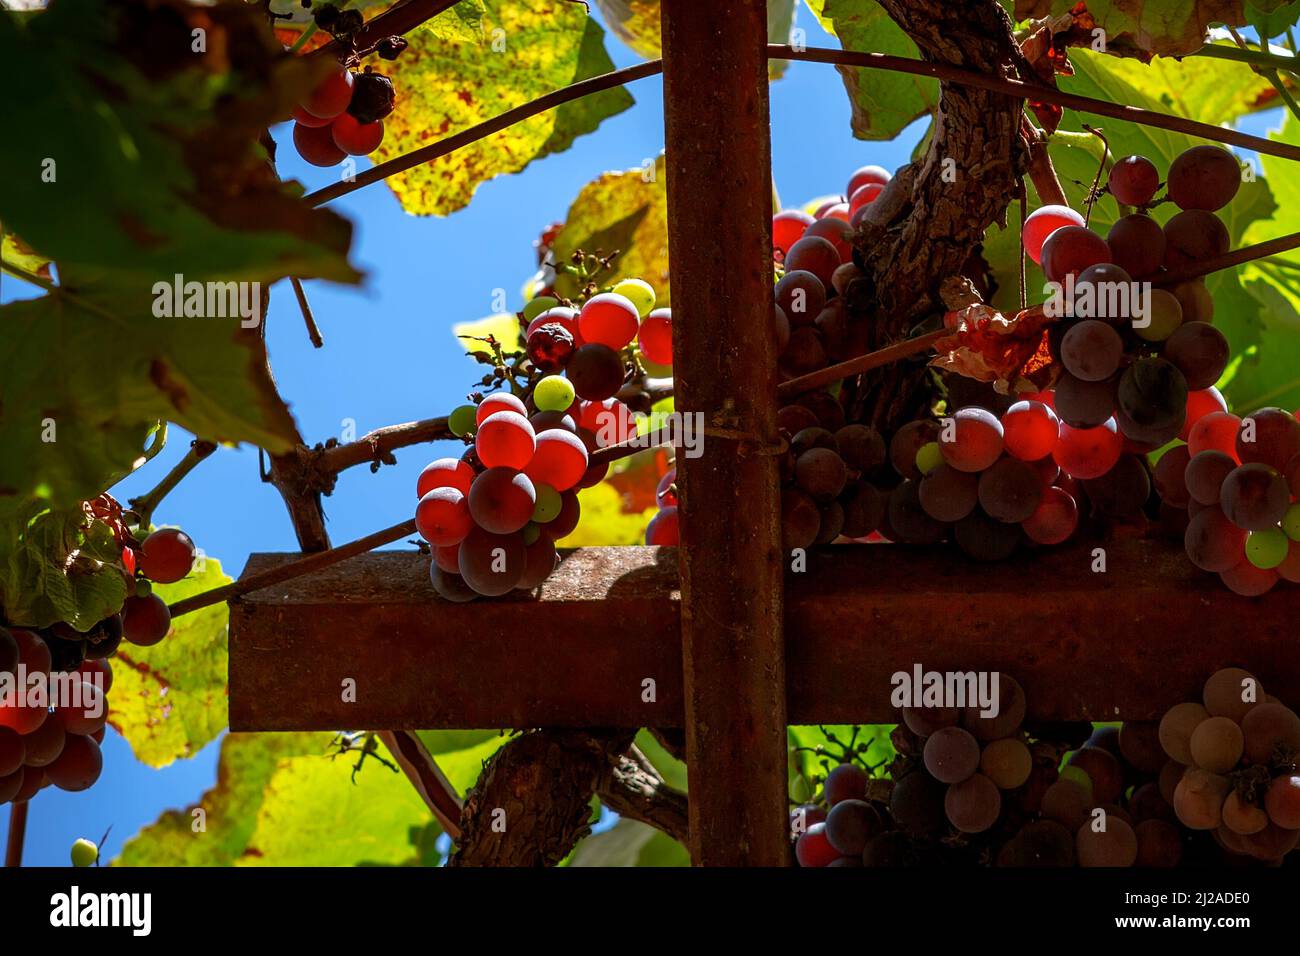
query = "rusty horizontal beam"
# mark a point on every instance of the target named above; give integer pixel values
(1127, 643)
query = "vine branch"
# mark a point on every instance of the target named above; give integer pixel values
(146, 504)
(315, 561)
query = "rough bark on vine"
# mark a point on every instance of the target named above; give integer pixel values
(532, 803)
(930, 220)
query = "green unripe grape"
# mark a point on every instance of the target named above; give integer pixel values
(801, 790)
(463, 420)
(639, 292)
(1164, 313)
(1267, 549)
(553, 394)
(532, 531)
(928, 457)
(548, 504)
(539, 305)
(84, 853)
(1291, 522)
(1078, 775)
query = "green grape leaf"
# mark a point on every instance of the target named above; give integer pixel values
(58, 566)
(1262, 322)
(1144, 27)
(883, 103)
(220, 834)
(625, 212)
(630, 843)
(1272, 17)
(451, 78)
(169, 700)
(90, 372)
(166, 180)
(315, 812)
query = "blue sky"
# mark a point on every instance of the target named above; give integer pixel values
(389, 357)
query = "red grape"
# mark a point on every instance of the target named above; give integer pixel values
(44, 744)
(838, 233)
(501, 500)
(1270, 436)
(1247, 580)
(1089, 452)
(442, 517)
(356, 138)
(813, 848)
(1213, 542)
(1041, 223)
(91, 714)
(1054, 520)
(867, 174)
(562, 316)
(1200, 403)
(1254, 496)
(331, 96)
(1133, 180)
(78, 766)
(167, 556)
(145, 621)
(499, 402)
(1218, 431)
(549, 346)
(445, 473)
(788, 227)
(864, 196)
(1030, 430)
(972, 441)
(559, 461)
(656, 336)
(596, 372)
(1194, 236)
(316, 145)
(507, 439)
(608, 318)
(663, 527)
(1203, 177)
(492, 564)
(303, 118)
(816, 255)
(1137, 243)
(845, 782)
(1071, 249)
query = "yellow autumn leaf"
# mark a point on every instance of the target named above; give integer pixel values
(452, 77)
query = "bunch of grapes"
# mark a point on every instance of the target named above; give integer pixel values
(955, 769)
(54, 681)
(1232, 766)
(830, 474)
(1238, 480)
(493, 515)
(342, 116)
(817, 277)
(989, 482)
(1131, 354)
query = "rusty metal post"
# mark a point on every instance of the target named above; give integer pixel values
(718, 147)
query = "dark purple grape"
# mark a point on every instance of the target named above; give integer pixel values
(1133, 180)
(596, 372)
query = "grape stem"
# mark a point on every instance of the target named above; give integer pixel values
(397, 20)
(145, 505)
(308, 564)
(1268, 72)
(17, 834)
(1260, 58)
(473, 134)
(863, 363)
(1236, 257)
(313, 330)
(1093, 195)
